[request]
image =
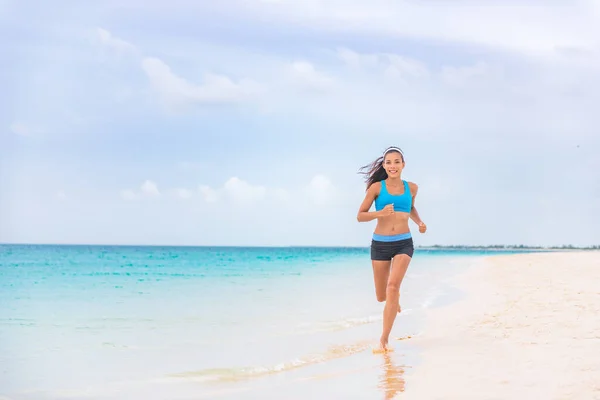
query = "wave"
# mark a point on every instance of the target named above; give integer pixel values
(342, 324)
(433, 294)
(224, 375)
(337, 325)
(237, 374)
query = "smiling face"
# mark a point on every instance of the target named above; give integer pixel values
(393, 163)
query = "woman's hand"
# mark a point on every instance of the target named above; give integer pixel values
(386, 211)
(422, 227)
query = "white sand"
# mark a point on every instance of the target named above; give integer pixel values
(529, 329)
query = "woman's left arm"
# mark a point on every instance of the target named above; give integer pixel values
(414, 214)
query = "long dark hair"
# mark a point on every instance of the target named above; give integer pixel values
(374, 171)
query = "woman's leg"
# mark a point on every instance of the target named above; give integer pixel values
(381, 274)
(399, 267)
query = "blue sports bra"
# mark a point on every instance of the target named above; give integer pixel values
(402, 202)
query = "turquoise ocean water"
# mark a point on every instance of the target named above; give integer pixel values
(120, 322)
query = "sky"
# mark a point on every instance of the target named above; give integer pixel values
(245, 122)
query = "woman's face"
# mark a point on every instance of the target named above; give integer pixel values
(393, 164)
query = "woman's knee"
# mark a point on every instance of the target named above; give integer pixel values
(392, 287)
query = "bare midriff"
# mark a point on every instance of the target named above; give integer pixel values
(394, 224)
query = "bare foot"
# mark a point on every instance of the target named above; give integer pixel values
(383, 347)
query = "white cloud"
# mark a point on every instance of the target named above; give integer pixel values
(147, 189)
(404, 67)
(105, 38)
(533, 28)
(209, 194)
(383, 91)
(183, 193)
(412, 71)
(176, 91)
(458, 76)
(305, 74)
(388, 64)
(150, 188)
(357, 60)
(321, 190)
(243, 192)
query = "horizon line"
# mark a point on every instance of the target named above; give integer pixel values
(438, 246)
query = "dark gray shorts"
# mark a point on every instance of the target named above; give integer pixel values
(384, 251)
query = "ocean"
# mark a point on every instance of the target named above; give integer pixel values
(126, 322)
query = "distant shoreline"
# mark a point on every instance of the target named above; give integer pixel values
(510, 247)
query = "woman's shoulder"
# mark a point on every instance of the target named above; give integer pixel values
(413, 187)
(375, 187)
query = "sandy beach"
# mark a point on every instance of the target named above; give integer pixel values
(528, 329)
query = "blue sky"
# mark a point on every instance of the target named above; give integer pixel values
(245, 122)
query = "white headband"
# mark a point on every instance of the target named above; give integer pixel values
(392, 149)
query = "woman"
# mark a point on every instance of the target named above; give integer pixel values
(392, 246)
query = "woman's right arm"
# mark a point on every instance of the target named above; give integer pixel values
(364, 215)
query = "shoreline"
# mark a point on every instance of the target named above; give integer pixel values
(527, 327)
